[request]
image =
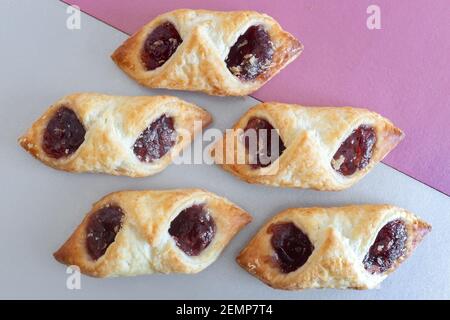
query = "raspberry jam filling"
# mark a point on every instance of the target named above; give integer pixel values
(251, 55)
(156, 140)
(160, 45)
(389, 246)
(261, 142)
(64, 134)
(355, 152)
(101, 230)
(193, 229)
(292, 247)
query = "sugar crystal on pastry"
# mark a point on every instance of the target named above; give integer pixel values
(160, 45)
(156, 140)
(64, 133)
(389, 246)
(251, 55)
(356, 151)
(101, 230)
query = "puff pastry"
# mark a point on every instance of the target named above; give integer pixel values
(131, 136)
(142, 232)
(324, 148)
(346, 247)
(219, 53)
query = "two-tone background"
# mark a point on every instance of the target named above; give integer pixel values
(400, 71)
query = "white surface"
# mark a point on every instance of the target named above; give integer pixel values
(40, 207)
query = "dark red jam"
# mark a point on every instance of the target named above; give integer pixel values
(101, 230)
(356, 151)
(265, 134)
(389, 246)
(251, 55)
(160, 45)
(292, 247)
(193, 230)
(155, 141)
(64, 134)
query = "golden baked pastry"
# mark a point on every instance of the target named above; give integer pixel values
(219, 53)
(130, 136)
(142, 232)
(346, 247)
(324, 148)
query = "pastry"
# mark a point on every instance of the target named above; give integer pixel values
(130, 136)
(348, 247)
(142, 232)
(324, 148)
(219, 53)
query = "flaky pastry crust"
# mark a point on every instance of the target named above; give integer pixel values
(143, 244)
(312, 135)
(198, 64)
(341, 238)
(112, 124)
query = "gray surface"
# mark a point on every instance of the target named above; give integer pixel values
(40, 207)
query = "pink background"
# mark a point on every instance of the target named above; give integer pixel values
(401, 71)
